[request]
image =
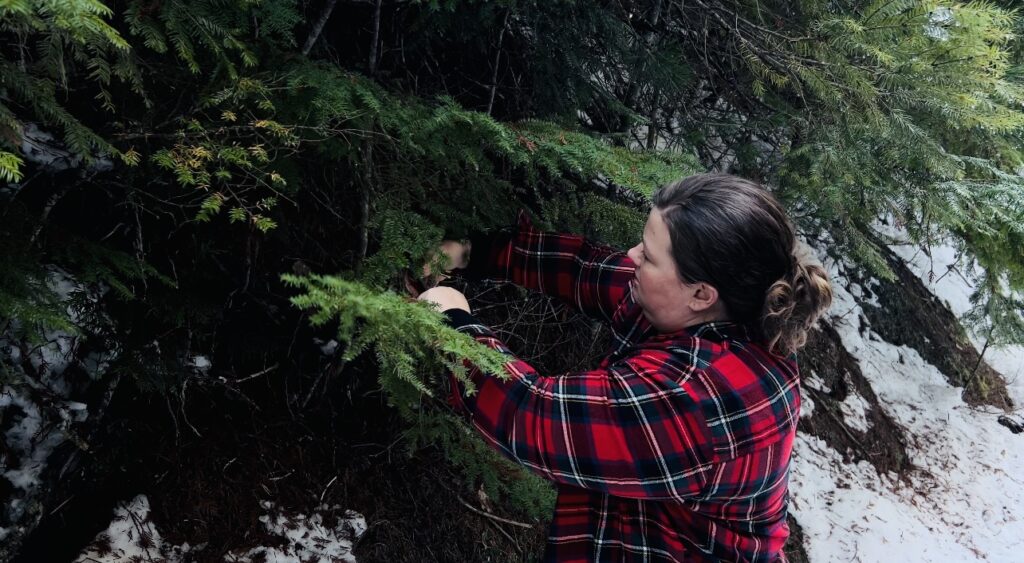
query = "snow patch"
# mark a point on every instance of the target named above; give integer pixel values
(37, 399)
(132, 537)
(321, 537)
(814, 382)
(948, 274)
(202, 364)
(309, 539)
(41, 148)
(963, 501)
(28, 442)
(327, 348)
(855, 411)
(806, 406)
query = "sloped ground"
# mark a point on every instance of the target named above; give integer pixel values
(955, 496)
(208, 491)
(891, 463)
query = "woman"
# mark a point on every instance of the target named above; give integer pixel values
(677, 447)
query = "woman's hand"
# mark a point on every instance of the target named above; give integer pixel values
(445, 298)
(454, 254)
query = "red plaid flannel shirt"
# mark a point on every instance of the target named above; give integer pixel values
(676, 448)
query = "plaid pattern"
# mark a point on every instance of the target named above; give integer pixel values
(676, 448)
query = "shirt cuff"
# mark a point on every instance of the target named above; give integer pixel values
(458, 318)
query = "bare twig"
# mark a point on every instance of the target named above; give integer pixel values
(497, 58)
(981, 357)
(257, 374)
(364, 218)
(491, 516)
(50, 203)
(329, 483)
(507, 535)
(376, 37)
(314, 34)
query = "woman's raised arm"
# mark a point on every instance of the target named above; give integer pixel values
(592, 277)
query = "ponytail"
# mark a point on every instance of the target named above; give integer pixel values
(792, 305)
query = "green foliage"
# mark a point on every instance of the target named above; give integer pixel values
(54, 41)
(407, 241)
(561, 152)
(409, 338)
(214, 30)
(101, 267)
(228, 173)
(239, 156)
(481, 465)
(889, 102)
(10, 167)
(615, 225)
(25, 296)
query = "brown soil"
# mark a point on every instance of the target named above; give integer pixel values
(908, 314)
(884, 444)
(795, 552)
(346, 450)
(207, 489)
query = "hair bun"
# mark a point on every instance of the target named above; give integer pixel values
(794, 303)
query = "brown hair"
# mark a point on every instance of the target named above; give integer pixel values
(733, 234)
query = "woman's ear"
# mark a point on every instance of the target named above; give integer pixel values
(704, 297)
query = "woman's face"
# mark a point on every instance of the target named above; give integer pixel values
(669, 303)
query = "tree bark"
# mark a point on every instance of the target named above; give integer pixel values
(318, 27)
(376, 37)
(497, 58)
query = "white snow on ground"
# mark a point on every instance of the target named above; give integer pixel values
(317, 538)
(806, 406)
(28, 439)
(309, 539)
(131, 537)
(966, 501)
(32, 432)
(855, 411)
(945, 272)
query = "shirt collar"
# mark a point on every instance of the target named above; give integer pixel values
(722, 330)
(714, 331)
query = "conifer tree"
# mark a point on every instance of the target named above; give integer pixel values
(221, 144)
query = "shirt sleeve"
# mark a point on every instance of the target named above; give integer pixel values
(625, 430)
(592, 277)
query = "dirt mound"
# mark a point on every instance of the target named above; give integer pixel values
(908, 314)
(836, 374)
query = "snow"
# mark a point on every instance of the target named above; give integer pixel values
(32, 431)
(202, 364)
(963, 500)
(132, 536)
(25, 438)
(854, 409)
(308, 539)
(947, 273)
(320, 537)
(326, 348)
(39, 147)
(806, 406)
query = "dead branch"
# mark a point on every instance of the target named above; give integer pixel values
(318, 27)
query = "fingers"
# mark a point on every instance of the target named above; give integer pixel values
(451, 255)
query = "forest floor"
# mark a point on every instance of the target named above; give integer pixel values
(897, 460)
(893, 460)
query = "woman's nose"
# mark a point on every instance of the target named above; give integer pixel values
(634, 254)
